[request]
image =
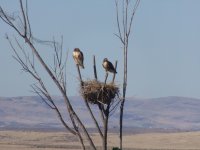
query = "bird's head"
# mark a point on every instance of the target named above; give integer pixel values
(105, 59)
(76, 50)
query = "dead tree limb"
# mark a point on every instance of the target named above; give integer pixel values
(105, 139)
(124, 25)
(94, 67)
(88, 106)
(113, 80)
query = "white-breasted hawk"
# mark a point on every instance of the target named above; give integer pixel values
(78, 57)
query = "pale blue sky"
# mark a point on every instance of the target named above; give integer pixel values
(164, 50)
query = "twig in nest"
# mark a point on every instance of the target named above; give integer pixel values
(97, 92)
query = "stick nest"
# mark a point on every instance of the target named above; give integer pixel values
(97, 92)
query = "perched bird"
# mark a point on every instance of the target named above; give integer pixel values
(78, 57)
(108, 66)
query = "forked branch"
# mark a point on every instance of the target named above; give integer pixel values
(124, 25)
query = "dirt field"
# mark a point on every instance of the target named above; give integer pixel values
(31, 140)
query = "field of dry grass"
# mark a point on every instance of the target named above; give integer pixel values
(32, 140)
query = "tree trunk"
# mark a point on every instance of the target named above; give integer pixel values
(124, 93)
(106, 127)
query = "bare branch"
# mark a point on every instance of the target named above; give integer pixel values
(61, 48)
(94, 68)
(126, 20)
(101, 109)
(114, 73)
(133, 14)
(24, 18)
(36, 90)
(8, 20)
(49, 98)
(17, 57)
(118, 24)
(28, 21)
(94, 119)
(119, 38)
(114, 106)
(123, 21)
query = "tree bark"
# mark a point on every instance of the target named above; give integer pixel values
(105, 139)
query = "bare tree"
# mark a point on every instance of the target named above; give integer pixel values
(56, 73)
(124, 24)
(103, 96)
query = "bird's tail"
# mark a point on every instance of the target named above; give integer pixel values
(82, 66)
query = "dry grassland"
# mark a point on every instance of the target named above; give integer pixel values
(31, 140)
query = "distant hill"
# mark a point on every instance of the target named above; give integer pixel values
(157, 113)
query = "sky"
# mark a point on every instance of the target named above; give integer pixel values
(164, 46)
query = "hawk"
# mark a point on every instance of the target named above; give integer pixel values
(78, 57)
(108, 66)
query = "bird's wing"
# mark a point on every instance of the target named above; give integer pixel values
(110, 65)
(81, 56)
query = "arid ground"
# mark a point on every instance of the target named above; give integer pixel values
(32, 140)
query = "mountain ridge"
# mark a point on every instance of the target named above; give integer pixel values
(172, 112)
